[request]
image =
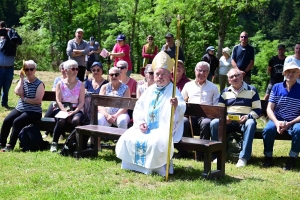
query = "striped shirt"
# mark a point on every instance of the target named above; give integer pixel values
(29, 92)
(287, 104)
(244, 102)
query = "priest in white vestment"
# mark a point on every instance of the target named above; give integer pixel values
(144, 146)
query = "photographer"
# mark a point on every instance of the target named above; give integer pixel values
(9, 41)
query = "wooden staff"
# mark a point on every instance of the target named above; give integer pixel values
(177, 43)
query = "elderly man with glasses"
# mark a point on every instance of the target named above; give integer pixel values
(243, 108)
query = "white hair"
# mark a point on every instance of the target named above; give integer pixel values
(114, 69)
(203, 63)
(234, 70)
(31, 62)
(70, 63)
(122, 63)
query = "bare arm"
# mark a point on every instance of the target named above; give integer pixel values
(19, 90)
(270, 112)
(248, 68)
(80, 100)
(269, 69)
(233, 63)
(59, 98)
(38, 95)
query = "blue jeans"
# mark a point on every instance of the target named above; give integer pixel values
(6, 77)
(269, 133)
(247, 129)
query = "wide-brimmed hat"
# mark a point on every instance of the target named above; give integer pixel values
(227, 51)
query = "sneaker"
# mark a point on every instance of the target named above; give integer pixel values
(290, 164)
(7, 149)
(53, 147)
(241, 163)
(268, 162)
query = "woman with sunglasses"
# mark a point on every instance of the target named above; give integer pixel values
(148, 81)
(93, 85)
(149, 52)
(28, 110)
(108, 115)
(130, 82)
(70, 99)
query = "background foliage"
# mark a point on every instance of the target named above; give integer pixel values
(47, 25)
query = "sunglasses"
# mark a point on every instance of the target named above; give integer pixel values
(150, 38)
(114, 75)
(244, 36)
(150, 73)
(234, 76)
(121, 67)
(29, 69)
(74, 68)
(96, 70)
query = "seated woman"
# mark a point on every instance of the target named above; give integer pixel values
(50, 112)
(93, 85)
(117, 116)
(130, 82)
(69, 93)
(28, 110)
(149, 80)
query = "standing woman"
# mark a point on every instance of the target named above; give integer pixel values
(94, 84)
(28, 110)
(149, 52)
(69, 93)
(225, 66)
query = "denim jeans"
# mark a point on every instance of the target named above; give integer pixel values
(269, 133)
(247, 129)
(6, 77)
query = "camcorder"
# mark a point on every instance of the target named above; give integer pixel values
(3, 32)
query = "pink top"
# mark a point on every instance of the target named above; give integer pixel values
(68, 95)
(132, 86)
(124, 49)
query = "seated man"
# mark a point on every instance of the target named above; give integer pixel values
(144, 146)
(199, 91)
(284, 111)
(243, 107)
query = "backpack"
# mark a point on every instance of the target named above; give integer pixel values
(31, 139)
(70, 145)
(234, 143)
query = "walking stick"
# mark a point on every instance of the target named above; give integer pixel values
(177, 43)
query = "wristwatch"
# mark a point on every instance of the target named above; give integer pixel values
(24, 100)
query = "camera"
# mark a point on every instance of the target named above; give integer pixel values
(3, 32)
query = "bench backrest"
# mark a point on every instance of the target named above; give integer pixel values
(49, 96)
(191, 110)
(264, 105)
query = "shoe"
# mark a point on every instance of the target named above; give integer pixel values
(6, 149)
(290, 164)
(215, 161)
(241, 163)
(7, 107)
(53, 147)
(181, 154)
(268, 162)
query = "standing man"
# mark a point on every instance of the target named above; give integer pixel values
(275, 69)
(243, 57)
(77, 50)
(284, 113)
(243, 107)
(9, 41)
(213, 61)
(199, 91)
(170, 48)
(295, 58)
(93, 55)
(144, 146)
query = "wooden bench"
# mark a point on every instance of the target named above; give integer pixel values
(193, 144)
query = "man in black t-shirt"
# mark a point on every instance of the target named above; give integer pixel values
(275, 68)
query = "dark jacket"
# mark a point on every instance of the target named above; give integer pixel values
(11, 42)
(212, 60)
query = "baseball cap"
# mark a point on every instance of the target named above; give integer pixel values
(169, 35)
(212, 48)
(97, 63)
(79, 30)
(281, 46)
(180, 61)
(121, 37)
(290, 65)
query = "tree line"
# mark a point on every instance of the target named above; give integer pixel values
(47, 25)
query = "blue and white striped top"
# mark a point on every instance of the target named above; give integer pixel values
(29, 92)
(287, 104)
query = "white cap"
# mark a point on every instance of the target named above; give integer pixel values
(290, 65)
(79, 30)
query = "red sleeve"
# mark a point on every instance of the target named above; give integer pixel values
(126, 50)
(145, 55)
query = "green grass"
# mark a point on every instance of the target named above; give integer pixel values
(45, 175)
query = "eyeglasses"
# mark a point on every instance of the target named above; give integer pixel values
(234, 76)
(27, 69)
(244, 36)
(201, 71)
(74, 68)
(114, 75)
(96, 70)
(150, 38)
(121, 67)
(150, 73)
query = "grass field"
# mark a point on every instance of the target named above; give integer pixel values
(45, 175)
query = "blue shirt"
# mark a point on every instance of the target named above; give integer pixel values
(242, 56)
(6, 60)
(287, 104)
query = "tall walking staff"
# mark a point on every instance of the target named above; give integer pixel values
(177, 43)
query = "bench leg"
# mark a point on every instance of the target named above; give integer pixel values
(221, 162)
(207, 164)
